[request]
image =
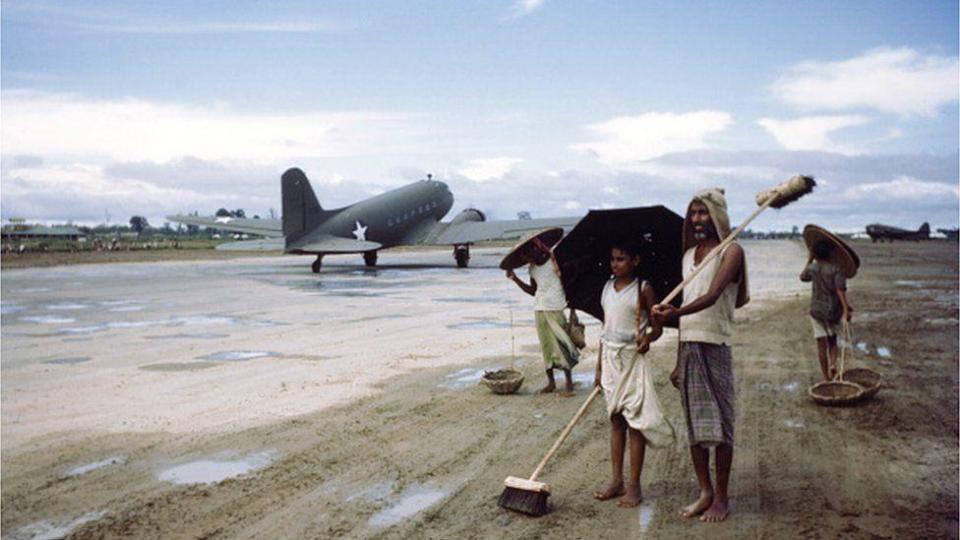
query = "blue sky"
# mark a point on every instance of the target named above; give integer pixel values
(117, 108)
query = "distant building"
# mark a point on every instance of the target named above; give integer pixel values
(19, 231)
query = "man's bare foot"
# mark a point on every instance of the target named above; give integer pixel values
(549, 388)
(613, 489)
(698, 506)
(718, 511)
(630, 498)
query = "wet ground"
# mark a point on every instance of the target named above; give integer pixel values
(183, 381)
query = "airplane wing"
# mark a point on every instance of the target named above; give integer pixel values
(468, 232)
(264, 227)
(334, 244)
(260, 244)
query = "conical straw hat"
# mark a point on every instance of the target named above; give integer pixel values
(515, 258)
(841, 255)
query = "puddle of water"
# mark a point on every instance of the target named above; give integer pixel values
(179, 366)
(862, 347)
(790, 423)
(645, 516)
(47, 530)
(65, 306)
(201, 320)
(238, 356)
(198, 335)
(48, 319)
(412, 501)
(583, 377)
(32, 290)
(115, 302)
(84, 469)
(376, 492)
(909, 283)
(10, 308)
(883, 352)
(70, 360)
(478, 325)
(124, 309)
(208, 471)
(464, 378)
(790, 387)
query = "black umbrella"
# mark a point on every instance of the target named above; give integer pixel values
(584, 254)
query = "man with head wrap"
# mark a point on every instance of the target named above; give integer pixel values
(704, 370)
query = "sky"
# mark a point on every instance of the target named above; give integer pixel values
(110, 109)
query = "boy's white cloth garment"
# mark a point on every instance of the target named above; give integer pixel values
(625, 374)
(549, 295)
(822, 329)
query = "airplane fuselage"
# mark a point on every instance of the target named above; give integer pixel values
(881, 232)
(389, 217)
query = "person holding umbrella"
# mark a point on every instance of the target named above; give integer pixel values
(549, 301)
(704, 370)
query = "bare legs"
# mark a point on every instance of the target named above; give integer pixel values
(827, 354)
(552, 383)
(832, 343)
(711, 506)
(629, 495)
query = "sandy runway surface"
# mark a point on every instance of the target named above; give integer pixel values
(250, 398)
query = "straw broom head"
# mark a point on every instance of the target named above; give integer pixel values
(787, 192)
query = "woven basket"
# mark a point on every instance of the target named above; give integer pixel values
(503, 381)
(835, 393)
(868, 379)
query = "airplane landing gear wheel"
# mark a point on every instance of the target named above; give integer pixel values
(315, 267)
(462, 255)
(370, 258)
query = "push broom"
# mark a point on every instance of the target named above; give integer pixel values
(529, 496)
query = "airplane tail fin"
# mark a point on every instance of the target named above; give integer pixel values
(301, 209)
(925, 228)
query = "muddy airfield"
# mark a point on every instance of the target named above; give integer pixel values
(249, 398)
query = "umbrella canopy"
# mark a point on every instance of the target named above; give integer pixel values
(515, 257)
(841, 255)
(584, 254)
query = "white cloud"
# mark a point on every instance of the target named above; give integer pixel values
(902, 189)
(627, 140)
(900, 81)
(133, 129)
(521, 8)
(812, 132)
(480, 170)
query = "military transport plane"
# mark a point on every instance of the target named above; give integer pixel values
(405, 216)
(880, 232)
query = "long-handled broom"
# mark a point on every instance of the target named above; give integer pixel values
(529, 496)
(779, 196)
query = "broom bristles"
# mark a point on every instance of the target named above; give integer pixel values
(787, 192)
(533, 503)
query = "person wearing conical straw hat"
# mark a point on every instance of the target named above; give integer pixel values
(704, 370)
(830, 263)
(549, 301)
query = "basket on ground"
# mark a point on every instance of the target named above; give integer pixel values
(835, 393)
(503, 381)
(868, 379)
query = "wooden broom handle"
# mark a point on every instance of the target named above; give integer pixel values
(717, 250)
(563, 435)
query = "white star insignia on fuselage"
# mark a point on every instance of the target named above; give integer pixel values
(360, 232)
